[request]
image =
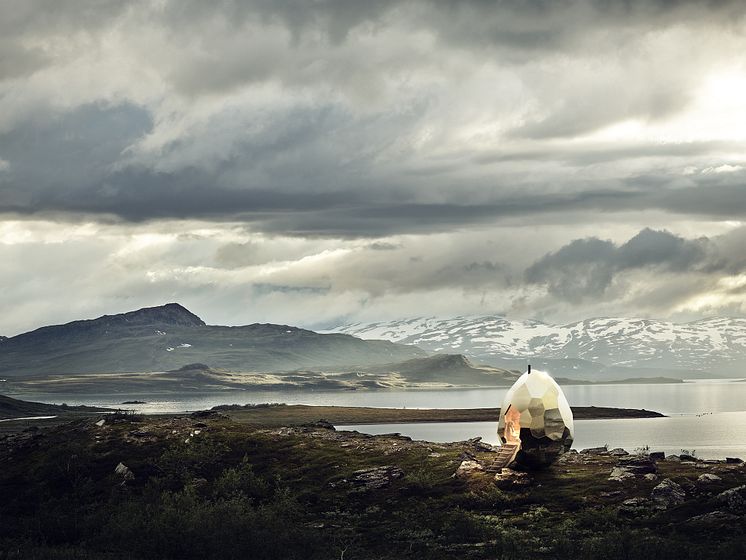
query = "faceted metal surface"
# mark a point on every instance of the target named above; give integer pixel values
(536, 411)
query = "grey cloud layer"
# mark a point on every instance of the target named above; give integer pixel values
(585, 268)
(309, 162)
(354, 118)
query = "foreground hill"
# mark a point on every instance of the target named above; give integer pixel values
(207, 487)
(607, 348)
(168, 337)
(454, 369)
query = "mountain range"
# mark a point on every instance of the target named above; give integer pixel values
(168, 337)
(593, 349)
(168, 348)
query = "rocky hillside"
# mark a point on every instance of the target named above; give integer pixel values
(590, 349)
(205, 487)
(167, 337)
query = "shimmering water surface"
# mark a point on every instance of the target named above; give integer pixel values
(709, 417)
(674, 398)
(713, 436)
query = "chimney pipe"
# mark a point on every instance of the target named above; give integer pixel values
(529, 368)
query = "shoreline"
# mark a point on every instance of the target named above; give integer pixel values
(288, 415)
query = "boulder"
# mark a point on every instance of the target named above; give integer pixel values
(668, 493)
(124, 471)
(619, 474)
(467, 456)
(733, 460)
(596, 450)
(635, 507)
(658, 456)
(688, 457)
(734, 498)
(708, 478)
(618, 452)
(638, 464)
(468, 468)
(508, 478)
(376, 478)
(479, 445)
(650, 476)
(633, 465)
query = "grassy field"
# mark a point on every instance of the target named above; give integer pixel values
(213, 488)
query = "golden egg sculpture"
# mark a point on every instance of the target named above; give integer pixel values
(535, 417)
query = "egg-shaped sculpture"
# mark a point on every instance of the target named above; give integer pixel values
(535, 418)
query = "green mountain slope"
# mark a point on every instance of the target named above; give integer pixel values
(168, 337)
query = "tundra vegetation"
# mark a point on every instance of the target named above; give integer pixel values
(206, 486)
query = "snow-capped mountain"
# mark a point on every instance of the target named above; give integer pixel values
(616, 346)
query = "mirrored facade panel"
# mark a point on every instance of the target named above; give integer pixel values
(536, 415)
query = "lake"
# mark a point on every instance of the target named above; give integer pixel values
(713, 436)
(707, 416)
(672, 398)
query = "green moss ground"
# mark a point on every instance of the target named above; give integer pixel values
(237, 491)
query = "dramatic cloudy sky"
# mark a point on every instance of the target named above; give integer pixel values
(329, 161)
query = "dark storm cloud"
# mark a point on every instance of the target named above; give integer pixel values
(586, 268)
(67, 157)
(331, 151)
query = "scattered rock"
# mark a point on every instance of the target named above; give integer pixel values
(618, 452)
(733, 460)
(638, 464)
(467, 456)
(124, 471)
(668, 493)
(618, 474)
(467, 468)
(376, 478)
(139, 433)
(479, 445)
(712, 520)
(596, 450)
(508, 478)
(199, 425)
(650, 476)
(101, 422)
(708, 478)
(635, 507)
(199, 483)
(734, 498)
